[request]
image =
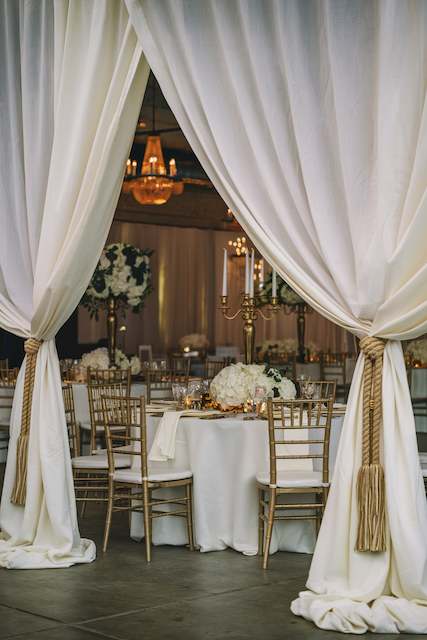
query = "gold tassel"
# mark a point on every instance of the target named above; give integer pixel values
(371, 531)
(371, 502)
(31, 347)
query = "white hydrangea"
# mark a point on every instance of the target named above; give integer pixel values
(96, 359)
(236, 384)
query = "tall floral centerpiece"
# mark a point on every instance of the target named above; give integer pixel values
(122, 279)
(291, 303)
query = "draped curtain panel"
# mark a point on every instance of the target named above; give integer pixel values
(72, 77)
(309, 117)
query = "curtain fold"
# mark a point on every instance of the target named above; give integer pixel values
(72, 78)
(309, 118)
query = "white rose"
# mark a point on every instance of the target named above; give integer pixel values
(287, 389)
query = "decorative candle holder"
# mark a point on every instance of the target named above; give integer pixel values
(249, 313)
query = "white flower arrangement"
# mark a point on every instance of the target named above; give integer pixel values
(123, 273)
(418, 350)
(194, 341)
(98, 359)
(235, 384)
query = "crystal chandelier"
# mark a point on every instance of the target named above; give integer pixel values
(153, 184)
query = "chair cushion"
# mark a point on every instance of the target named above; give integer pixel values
(100, 461)
(156, 474)
(291, 479)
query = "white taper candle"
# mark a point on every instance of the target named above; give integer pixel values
(252, 273)
(224, 274)
(261, 274)
(274, 284)
(246, 272)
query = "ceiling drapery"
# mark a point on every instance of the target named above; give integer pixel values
(309, 119)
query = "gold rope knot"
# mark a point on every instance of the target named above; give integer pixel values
(372, 347)
(370, 481)
(31, 347)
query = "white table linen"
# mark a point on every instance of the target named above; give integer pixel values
(225, 455)
(419, 390)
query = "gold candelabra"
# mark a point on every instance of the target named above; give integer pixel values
(249, 312)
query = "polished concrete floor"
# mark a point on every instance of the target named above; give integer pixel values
(181, 595)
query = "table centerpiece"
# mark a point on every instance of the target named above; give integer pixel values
(122, 279)
(234, 385)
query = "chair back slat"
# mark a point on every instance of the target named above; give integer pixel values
(288, 416)
(8, 377)
(180, 365)
(159, 382)
(108, 382)
(70, 418)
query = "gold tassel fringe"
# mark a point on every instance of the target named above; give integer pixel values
(371, 535)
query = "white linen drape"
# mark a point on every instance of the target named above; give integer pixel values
(72, 77)
(309, 117)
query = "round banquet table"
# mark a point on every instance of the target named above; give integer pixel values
(224, 456)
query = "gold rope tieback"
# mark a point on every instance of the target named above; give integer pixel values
(371, 534)
(31, 347)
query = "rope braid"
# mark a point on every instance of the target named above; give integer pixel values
(31, 347)
(370, 481)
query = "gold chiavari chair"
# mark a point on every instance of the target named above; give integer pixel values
(159, 383)
(213, 367)
(70, 418)
(322, 389)
(293, 461)
(7, 388)
(103, 382)
(4, 363)
(141, 479)
(90, 472)
(335, 366)
(180, 366)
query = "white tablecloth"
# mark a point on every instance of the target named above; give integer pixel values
(224, 456)
(4, 419)
(418, 382)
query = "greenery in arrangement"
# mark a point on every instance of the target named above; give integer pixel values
(123, 273)
(285, 294)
